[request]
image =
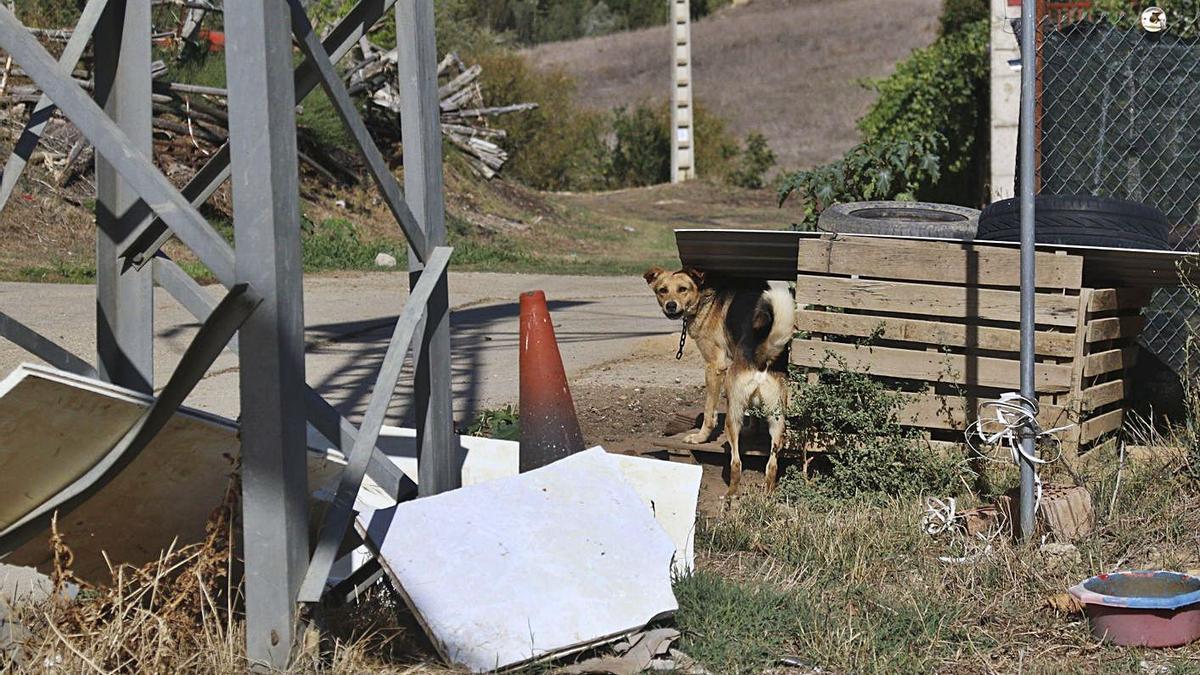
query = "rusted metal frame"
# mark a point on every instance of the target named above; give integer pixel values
(341, 511)
(335, 88)
(43, 347)
(233, 310)
(321, 415)
(28, 141)
(153, 233)
(114, 144)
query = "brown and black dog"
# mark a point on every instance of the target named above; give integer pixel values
(742, 329)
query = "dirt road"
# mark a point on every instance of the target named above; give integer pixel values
(610, 332)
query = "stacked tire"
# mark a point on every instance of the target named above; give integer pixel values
(905, 219)
(1078, 220)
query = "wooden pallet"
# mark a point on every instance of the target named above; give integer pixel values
(942, 323)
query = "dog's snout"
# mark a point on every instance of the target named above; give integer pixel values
(671, 306)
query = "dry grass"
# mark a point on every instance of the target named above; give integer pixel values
(787, 68)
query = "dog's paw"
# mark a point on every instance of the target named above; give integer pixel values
(697, 437)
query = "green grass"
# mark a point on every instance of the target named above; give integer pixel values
(58, 271)
(856, 586)
(336, 244)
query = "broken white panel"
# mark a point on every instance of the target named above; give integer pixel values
(669, 489)
(525, 567)
(56, 425)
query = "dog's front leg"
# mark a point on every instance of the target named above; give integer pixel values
(714, 379)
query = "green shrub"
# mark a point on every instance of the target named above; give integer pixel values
(941, 88)
(558, 146)
(882, 170)
(756, 160)
(871, 452)
(957, 14)
(641, 153)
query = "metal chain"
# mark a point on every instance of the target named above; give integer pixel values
(682, 340)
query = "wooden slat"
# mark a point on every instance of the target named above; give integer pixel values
(1107, 362)
(1103, 394)
(930, 366)
(933, 411)
(934, 261)
(1102, 424)
(932, 332)
(1114, 299)
(1115, 328)
(948, 301)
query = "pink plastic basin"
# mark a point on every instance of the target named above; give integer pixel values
(1142, 609)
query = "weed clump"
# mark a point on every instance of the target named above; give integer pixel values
(870, 450)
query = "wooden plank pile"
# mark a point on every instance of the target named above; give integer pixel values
(938, 322)
(191, 122)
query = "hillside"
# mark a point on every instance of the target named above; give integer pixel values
(788, 68)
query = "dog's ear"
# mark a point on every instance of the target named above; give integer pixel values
(652, 274)
(696, 275)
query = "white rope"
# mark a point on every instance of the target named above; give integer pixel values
(1001, 422)
(939, 515)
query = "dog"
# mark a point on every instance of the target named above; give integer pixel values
(742, 329)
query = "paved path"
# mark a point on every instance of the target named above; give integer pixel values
(349, 318)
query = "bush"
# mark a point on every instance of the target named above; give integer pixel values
(958, 14)
(871, 452)
(559, 146)
(641, 154)
(875, 170)
(943, 89)
(756, 160)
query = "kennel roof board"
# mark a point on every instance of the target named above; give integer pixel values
(773, 254)
(520, 568)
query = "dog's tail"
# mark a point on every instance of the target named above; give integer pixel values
(782, 307)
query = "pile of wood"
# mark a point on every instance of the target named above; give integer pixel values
(464, 114)
(191, 122)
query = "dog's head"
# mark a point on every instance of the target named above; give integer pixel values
(678, 293)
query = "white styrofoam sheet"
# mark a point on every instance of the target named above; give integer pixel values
(515, 569)
(669, 489)
(55, 425)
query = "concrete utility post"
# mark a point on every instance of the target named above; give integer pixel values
(683, 152)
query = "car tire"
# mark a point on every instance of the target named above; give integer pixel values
(908, 219)
(1078, 220)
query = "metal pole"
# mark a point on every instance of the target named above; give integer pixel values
(266, 217)
(1028, 283)
(420, 123)
(124, 298)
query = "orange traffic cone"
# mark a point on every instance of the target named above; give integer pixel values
(549, 428)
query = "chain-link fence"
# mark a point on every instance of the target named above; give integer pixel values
(1119, 116)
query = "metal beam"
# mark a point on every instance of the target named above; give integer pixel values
(321, 415)
(153, 233)
(232, 312)
(266, 223)
(124, 298)
(420, 121)
(335, 88)
(44, 110)
(114, 144)
(341, 511)
(42, 347)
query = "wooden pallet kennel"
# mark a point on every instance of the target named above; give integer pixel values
(941, 322)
